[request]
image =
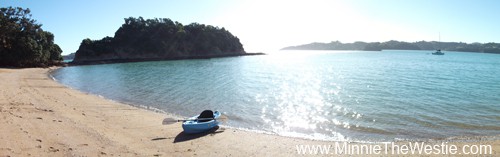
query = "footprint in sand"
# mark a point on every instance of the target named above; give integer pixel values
(52, 149)
(8, 149)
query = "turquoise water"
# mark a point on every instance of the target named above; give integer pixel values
(326, 95)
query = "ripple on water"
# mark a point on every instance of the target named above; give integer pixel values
(357, 96)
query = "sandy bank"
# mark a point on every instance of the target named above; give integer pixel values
(40, 117)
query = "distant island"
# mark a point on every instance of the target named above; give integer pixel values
(70, 56)
(399, 45)
(159, 39)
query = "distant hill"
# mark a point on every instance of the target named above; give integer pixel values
(399, 45)
(158, 39)
(69, 56)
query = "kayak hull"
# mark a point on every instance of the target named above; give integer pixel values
(193, 126)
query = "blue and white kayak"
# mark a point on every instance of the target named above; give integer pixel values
(201, 123)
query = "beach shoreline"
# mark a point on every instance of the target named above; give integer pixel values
(41, 117)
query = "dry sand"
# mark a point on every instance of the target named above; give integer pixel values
(40, 117)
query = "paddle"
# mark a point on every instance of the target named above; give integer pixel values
(168, 121)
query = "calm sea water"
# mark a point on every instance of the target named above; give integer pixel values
(326, 95)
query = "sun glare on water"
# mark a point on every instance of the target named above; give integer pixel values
(271, 25)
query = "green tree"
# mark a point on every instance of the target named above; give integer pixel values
(23, 43)
(160, 38)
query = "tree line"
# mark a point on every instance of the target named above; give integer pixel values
(138, 38)
(399, 45)
(23, 42)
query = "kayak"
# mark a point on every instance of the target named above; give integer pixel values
(201, 123)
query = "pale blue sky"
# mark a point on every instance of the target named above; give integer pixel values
(264, 25)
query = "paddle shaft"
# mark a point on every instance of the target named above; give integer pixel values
(167, 121)
(183, 120)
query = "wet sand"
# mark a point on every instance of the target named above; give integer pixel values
(40, 117)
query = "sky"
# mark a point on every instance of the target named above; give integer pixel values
(268, 25)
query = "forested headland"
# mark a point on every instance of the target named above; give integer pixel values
(23, 42)
(157, 39)
(399, 45)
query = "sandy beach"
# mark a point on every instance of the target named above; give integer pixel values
(40, 117)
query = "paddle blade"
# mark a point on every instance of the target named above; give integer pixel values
(168, 121)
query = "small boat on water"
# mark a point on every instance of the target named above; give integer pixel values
(438, 52)
(201, 123)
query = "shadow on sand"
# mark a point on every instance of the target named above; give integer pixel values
(181, 137)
